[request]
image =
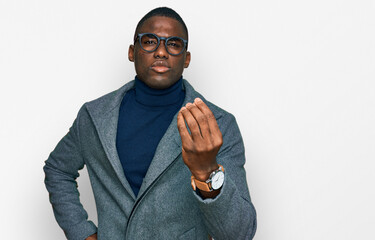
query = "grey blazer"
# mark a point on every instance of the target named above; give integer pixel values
(166, 206)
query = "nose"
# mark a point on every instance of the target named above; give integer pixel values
(161, 51)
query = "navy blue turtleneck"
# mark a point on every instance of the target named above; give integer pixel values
(145, 114)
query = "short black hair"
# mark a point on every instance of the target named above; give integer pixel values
(164, 12)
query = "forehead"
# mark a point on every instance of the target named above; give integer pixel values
(163, 27)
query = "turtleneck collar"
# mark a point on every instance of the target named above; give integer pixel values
(158, 97)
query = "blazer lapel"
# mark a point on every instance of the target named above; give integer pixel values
(168, 150)
(169, 147)
(104, 113)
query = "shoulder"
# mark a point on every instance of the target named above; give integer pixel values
(101, 106)
(110, 100)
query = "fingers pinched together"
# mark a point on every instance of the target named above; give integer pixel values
(201, 145)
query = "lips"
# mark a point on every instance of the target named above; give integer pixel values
(160, 66)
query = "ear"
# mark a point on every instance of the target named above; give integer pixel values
(187, 60)
(131, 53)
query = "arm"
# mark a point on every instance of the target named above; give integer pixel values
(61, 171)
(228, 213)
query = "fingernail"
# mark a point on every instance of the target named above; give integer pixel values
(188, 104)
(198, 100)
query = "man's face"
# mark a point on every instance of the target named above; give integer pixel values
(159, 69)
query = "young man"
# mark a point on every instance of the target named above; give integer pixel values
(164, 163)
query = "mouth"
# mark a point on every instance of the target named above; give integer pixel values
(160, 66)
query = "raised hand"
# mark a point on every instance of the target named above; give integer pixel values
(201, 145)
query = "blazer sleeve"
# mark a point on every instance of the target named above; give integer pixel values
(231, 214)
(61, 170)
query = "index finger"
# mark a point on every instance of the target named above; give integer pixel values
(184, 133)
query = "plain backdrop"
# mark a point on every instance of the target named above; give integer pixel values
(298, 75)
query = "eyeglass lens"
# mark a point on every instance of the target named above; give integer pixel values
(174, 45)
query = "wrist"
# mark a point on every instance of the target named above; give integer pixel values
(203, 174)
(205, 195)
(92, 237)
(214, 182)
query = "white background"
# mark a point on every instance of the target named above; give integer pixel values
(298, 75)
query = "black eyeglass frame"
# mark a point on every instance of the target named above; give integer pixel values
(140, 35)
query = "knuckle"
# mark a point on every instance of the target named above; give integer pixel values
(200, 149)
(209, 147)
(219, 141)
(190, 150)
(192, 123)
(187, 147)
(201, 118)
(210, 115)
(195, 134)
(190, 106)
(180, 127)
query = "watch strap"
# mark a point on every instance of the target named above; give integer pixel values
(204, 185)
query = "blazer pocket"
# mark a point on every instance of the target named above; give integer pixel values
(188, 235)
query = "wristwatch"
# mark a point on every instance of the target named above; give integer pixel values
(214, 182)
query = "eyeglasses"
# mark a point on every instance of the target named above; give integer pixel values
(150, 42)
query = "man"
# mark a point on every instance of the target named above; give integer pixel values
(163, 162)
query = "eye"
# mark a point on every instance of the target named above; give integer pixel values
(150, 42)
(174, 43)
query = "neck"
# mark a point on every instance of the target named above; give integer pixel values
(157, 97)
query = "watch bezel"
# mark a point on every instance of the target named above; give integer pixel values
(207, 185)
(215, 186)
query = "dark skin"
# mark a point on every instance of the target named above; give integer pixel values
(92, 237)
(161, 70)
(169, 68)
(200, 147)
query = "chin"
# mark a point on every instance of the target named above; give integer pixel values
(159, 83)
